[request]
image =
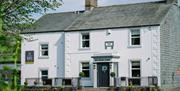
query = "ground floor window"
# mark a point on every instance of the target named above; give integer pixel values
(44, 77)
(135, 73)
(85, 68)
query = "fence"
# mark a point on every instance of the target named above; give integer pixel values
(71, 82)
(74, 81)
(136, 81)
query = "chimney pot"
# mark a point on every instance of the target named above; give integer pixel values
(90, 4)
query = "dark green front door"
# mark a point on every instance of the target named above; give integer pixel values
(103, 74)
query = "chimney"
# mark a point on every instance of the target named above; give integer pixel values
(90, 4)
(177, 2)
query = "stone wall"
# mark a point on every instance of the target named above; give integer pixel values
(170, 48)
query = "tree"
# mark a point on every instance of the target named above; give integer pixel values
(16, 12)
(16, 15)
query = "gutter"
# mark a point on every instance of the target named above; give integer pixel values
(69, 30)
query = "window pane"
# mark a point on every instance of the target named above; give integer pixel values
(85, 65)
(44, 46)
(44, 72)
(86, 72)
(136, 73)
(85, 68)
(135, 32)
(44, 53)
(85, 43)
(85, 36)
(135, 41)
(135, 64)
(136, 81)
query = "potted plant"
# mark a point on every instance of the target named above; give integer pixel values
(25, 83)
(113, 74)
(35, 83)
(81, 74)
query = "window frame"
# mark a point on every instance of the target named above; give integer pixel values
(40, 50)
(130, 38)
(81, 40)
(81, 68)
(130, 69)
(47, 75)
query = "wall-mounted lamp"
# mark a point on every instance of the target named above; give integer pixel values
(147, 59)
(108, 32)
(94, 66)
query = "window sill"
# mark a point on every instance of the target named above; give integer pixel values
(43, 57)
(86, 78)
(134, 46)
(84, 49)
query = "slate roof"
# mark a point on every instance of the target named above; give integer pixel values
(117, 16)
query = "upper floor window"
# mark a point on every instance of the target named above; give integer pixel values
(135, 38)
(85, 40)
(85, 68)
(44, 50)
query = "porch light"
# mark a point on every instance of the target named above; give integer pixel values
(94, 66)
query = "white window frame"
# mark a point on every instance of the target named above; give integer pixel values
(130, 38)
(81, 68)
(81, 40)
(40, 50)
(130, 69)
(136, 68)
(45, 75)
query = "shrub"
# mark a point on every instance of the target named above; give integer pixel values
(81, 74)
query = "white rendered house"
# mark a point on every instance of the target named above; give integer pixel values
(134, 41)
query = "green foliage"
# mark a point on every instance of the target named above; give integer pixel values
(15, 16)
(6, 68)
(113, 74)
(15, 13)
(0, 24)
(81, 74)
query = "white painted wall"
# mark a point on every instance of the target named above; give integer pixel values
(116, 2)
(74, 55)
(54, 63)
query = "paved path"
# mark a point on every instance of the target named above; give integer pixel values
(176, 89)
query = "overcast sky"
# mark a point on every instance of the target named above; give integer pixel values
(76, 5)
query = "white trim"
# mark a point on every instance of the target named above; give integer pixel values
(80, 68)
(130, 66)
(129, 38)
(80, 41)
(39, 52)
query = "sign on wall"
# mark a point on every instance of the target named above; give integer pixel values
(178, 71)
(109, 44)
(29, 57)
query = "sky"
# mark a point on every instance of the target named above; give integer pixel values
(78, 5)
